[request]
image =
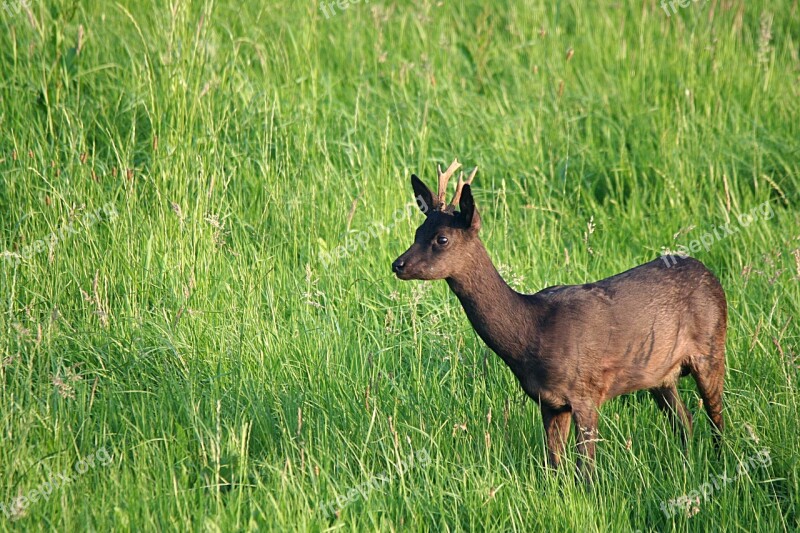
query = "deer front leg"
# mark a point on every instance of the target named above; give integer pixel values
(585, 419)
(556, 427)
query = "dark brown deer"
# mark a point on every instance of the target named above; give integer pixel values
(573, 347)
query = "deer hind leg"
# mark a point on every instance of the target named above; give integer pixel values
(556, 427)
(708, 372)
(670, 402)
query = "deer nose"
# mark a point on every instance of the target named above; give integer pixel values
(398, 266)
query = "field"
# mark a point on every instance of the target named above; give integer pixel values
(200, 202)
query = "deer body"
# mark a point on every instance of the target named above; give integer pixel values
(574, 347)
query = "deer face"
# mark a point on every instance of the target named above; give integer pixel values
(444, 243)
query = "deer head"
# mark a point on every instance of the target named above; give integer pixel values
(445, 242)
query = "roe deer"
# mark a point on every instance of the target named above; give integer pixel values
(572, 347)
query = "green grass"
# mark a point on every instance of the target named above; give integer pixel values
(238, 380)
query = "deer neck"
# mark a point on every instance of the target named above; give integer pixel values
(499, 314)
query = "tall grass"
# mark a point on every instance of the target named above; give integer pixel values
(240, 380)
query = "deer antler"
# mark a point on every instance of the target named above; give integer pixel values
(460, 187)
(444, 177)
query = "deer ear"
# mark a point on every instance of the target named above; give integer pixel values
(468, 210)
(423, 195)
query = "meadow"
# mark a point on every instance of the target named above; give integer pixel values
(200, 202)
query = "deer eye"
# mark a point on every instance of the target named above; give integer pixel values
(441, 240)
